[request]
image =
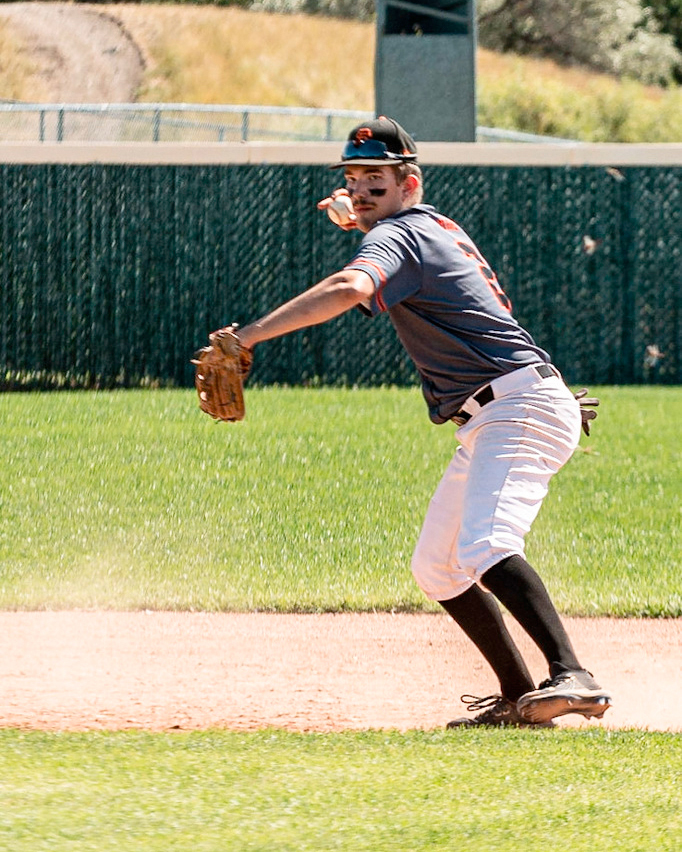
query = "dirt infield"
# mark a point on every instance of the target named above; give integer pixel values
(165, 671)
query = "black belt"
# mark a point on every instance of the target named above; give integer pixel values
(486, 395)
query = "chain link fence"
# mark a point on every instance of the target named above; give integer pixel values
(23, 122)
(113, 274)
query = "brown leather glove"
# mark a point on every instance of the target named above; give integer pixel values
(221, 369)
(587, 406)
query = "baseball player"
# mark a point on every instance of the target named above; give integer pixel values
(518, 422)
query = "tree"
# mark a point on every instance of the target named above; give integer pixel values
(668, 13)
(360, 10)
(620, 37)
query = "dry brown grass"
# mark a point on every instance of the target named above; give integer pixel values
(18, 72)
(527, 70)
(228, 55)
(208, 54)
(493, 66)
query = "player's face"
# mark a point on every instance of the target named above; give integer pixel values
(375, 193)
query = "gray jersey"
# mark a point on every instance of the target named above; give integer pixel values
(446, 305)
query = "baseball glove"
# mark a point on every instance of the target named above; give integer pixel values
(587, 406)
(220, 372)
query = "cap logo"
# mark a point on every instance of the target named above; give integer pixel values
(362, 134)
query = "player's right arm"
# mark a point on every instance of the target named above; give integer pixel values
(325, 300)
(339, 208)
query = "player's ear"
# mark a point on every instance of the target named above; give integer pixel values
(410, 185)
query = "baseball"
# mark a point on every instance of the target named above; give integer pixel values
(340, 210)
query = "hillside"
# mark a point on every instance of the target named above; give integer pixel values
(207, 54)
(60, 52)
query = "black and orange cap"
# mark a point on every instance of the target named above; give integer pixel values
(381, 141)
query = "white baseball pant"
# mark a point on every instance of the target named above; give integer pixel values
(494, 486)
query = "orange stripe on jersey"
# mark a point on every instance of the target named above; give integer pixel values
(382, 279)
(448, 224)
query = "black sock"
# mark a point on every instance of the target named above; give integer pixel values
(479, 616)
(517, 585)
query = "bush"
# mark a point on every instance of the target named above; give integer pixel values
(359, 10)
(599, 110)
(620, 37)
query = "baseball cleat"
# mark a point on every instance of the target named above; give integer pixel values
(565, 692)
(496, 712)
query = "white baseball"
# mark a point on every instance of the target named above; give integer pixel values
(340, 210)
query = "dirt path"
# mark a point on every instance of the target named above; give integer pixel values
(81, 54)
(164, 671)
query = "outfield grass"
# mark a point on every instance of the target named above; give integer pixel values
(133, 499)
(379, 791)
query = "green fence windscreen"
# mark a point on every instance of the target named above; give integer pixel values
(115, 274)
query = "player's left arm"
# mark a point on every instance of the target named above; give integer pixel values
(324, 301)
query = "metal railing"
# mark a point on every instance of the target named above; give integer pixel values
(157, 122)
(496, 134)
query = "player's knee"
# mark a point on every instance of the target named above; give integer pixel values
(438, 578)
(475, 557)
(476, 552)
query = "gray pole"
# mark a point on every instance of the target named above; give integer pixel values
(425, 71)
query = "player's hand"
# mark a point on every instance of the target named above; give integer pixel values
(234, 332)
(339, 208)
(587, 406)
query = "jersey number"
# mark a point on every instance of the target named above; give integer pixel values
(472, 253)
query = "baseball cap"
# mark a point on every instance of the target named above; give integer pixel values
(381, 141)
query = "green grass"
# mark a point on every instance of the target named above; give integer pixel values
(608, 537)
(490, 790)
(133, 499)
